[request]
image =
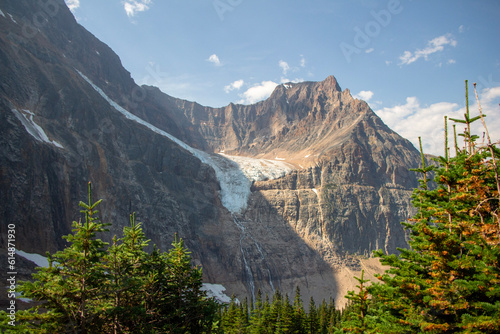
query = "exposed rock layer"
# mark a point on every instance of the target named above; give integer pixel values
(348, 194)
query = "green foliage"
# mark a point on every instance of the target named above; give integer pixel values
(279, 316)
(93, 287)
(355, 318)
(448, 281)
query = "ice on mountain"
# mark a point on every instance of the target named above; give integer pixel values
(35, 130)
(217, 291)
(39, 260)
(233, 173)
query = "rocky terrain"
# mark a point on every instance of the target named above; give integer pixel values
(332, 183)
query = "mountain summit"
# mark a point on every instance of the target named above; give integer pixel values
(271, 195)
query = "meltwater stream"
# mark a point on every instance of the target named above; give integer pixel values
(248, 271)
(249, 274)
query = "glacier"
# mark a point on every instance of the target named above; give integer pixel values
(234, 173)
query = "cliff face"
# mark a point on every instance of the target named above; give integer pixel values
(70, 113)
(351, 186)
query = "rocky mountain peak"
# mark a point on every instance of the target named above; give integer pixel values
(70, 113)
(331, 83)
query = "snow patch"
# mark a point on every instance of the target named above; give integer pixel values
(217, 291)
(1, 13)
(12, 18)
(26, 300)
(35, 130)
(37, 259)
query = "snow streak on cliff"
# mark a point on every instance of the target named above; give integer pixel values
(234, 174)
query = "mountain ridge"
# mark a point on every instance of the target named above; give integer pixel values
(347, 197)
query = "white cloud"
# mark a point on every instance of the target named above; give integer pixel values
(461, 29)
(258, 92)
(284, 66)
(73, 4)
(490, 99)
(435, 45)
(132, 7)
(370, 50)
(214, 59)
(412, 120)
(452, 61)
(364, 95)
(302, 61)
(490, 94)
(286, 80)
(234, 86)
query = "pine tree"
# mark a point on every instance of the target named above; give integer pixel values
(176, 298)
(126, 271)
(91, 287)
(312, 322)
(230, 317)
(356, 317)
(71, 288)
(324, 317)
(448, 281)
(256, 314)
(299, 314)
(285, 323)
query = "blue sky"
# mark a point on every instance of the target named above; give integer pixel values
(407, 59)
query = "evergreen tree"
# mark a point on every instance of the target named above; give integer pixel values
(126, 271)
(256, 314)
(230, 318)
(299, 314)
(176, 299)
(356, 319)
(91, 287)
(71, 288)
(312, 322)
(324, 317)
(448, 281)
(285, 321)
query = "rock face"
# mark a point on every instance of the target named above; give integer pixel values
(352, 183)
(70, 113)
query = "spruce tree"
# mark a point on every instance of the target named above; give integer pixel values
(357, 315)
(299, 314)
(448, 281)
(91, 287)
(71, 288)
(312, 321)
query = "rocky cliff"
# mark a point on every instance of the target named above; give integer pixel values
(70, 113)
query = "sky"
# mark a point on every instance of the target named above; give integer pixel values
(407, 59)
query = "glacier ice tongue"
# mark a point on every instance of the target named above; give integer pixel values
(235, 174)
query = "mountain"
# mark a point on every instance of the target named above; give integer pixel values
(292, 191)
